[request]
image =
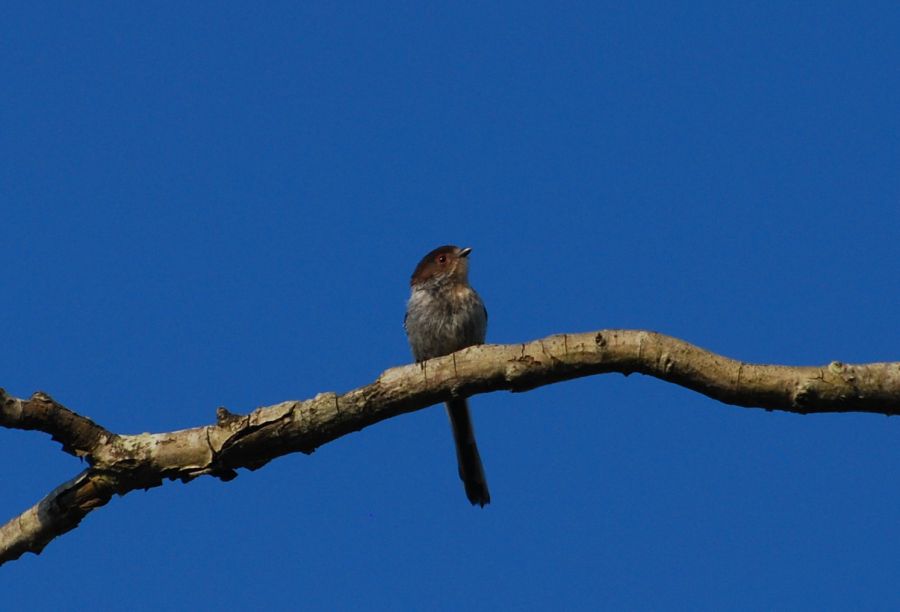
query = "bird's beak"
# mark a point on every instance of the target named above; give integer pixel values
(465, 252)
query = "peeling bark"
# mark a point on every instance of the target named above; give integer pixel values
(121, 463)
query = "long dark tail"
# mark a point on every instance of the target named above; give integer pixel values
(470, 470)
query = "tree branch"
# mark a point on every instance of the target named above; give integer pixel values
(123, 463)
(79, 435)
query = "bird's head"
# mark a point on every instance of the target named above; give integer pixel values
(445, 264)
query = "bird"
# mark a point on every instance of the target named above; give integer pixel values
(443, 315)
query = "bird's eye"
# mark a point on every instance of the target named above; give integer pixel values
(442, 259)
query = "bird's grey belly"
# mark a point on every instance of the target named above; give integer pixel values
(446, 329)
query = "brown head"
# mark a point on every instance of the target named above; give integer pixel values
(446, 263)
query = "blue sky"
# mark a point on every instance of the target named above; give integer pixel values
(221, 204)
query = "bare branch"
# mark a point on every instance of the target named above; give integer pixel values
(123, 463)
(79, 435)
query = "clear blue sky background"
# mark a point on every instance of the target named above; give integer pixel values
(221, 204)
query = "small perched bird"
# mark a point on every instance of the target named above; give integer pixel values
(443, 315)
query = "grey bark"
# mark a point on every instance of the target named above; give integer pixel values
(121, 463)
